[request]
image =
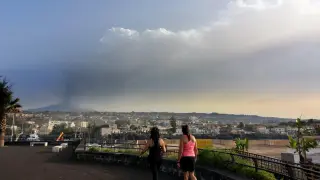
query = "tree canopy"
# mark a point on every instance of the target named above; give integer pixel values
(8, 104)
(133, 127)
(120, 123)
(241, 125)
(57, 129)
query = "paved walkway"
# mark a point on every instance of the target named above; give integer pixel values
(32, 163)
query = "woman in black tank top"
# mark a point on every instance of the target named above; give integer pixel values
(155, 146)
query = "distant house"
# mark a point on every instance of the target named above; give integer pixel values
(262, 129)
(72, 125)
(144, 128)
(178, 131)
(43, 130)
(310, 129)
(104, 131)
(30, 122)
(279, 130)
(317, 125)
(224, 130)
(291, 130)
(84, 124)
(52, 123)
(163, 130)
(237, 131)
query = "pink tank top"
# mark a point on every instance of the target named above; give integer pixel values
(188, 149)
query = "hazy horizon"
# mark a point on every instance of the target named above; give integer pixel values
(256, 57)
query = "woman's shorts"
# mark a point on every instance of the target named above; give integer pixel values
(187, 164)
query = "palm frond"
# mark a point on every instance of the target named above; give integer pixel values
(13, 105)
(15, 101)
(7, 101)
(292, 142)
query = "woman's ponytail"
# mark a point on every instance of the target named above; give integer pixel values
(185, 131)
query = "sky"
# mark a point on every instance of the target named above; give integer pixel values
(229, 56)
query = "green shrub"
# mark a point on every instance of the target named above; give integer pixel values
(218, 159)
(94, 149)
(106, 150)
(207, 157)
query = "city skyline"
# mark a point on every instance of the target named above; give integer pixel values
(237, 57)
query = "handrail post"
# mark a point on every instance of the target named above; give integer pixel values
(232, 158)
(255, 161)
(290, 171)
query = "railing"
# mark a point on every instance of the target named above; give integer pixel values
(27, 143)
(286, 169)
(280, 169)
(129, 156)
(230, 158)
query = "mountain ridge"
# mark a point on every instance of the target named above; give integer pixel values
(60, 108)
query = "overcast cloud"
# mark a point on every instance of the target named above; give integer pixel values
(255, 46)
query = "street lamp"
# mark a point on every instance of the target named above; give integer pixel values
(18, 110)
(12, 127)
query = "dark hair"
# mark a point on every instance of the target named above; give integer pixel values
(155, 135)
(185, 131)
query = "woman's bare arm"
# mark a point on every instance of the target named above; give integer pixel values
(163, 146)
(195, 147)
(145, 148)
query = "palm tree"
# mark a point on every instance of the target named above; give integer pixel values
(242, 144)
(300, 144)
(8, 104)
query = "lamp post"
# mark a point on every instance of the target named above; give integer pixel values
(12, 127)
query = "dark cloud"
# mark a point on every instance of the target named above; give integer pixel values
(251, 48)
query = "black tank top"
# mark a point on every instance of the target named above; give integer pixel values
(155, 151)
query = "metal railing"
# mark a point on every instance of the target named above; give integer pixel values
(280, 169)
(171, 153)
(128, 155)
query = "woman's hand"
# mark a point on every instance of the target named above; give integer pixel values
(178, 164)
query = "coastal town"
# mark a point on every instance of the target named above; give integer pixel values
(214, 125)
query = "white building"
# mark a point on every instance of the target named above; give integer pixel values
(291, 130)
(215, 131)
(43, 130)
(107, 131)
(14, 127)
(163, 130)
(30, 122)
(197, 130)
(178, 131)
(180, 123)
(145, 128)
(193, 118)
(262, 130)
(51, 124)
(72, 125)
(310, 129)
(84, 124)
(279, 130)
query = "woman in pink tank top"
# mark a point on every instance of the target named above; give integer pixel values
(188, 152)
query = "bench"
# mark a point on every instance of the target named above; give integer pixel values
(56, 149)
(36, 143)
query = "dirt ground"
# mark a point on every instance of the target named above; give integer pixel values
(265, 150)
(271, 151)
(37, 163)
